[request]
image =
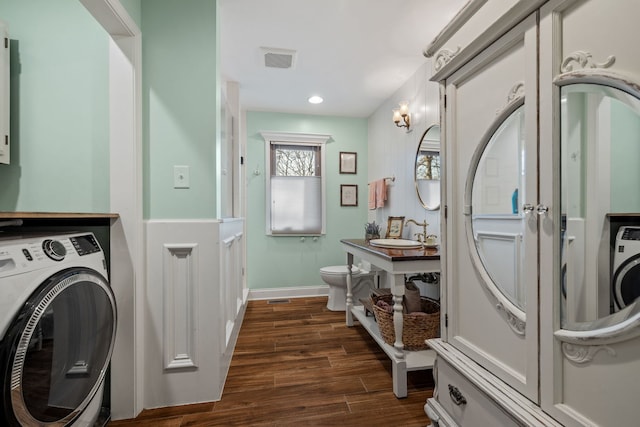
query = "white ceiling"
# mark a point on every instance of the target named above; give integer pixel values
(353, 53)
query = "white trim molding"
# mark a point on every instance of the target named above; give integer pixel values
(180, 314)
(300, 139)
(125, 141)
(310, 138)
(290, 292)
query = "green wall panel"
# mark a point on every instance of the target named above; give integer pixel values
(625, 152)
(59, 109)
(180, 106)
(274, 262)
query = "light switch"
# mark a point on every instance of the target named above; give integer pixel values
(181, 177)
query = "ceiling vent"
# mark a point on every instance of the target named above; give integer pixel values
(278, 58)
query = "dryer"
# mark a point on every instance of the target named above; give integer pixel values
(626, 267)
(57, 329)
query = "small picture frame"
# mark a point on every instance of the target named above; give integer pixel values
(394, 227)
(348, 195)
(348, 162)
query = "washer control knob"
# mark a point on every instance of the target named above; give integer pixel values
(54, 249)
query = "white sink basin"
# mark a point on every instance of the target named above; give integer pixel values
(396, 243)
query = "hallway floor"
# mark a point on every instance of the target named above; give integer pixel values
(297, 364)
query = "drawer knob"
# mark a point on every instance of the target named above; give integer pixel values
(456, 396)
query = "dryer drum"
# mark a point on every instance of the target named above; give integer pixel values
(57, 350)
(626, 282)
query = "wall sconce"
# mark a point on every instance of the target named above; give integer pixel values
(402, 114)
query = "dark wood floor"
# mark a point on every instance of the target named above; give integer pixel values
(297, 364)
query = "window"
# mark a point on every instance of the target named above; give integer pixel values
(295, 181)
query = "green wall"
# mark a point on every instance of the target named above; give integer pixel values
(180, 106)
(59, 109)
(625, 153)
(287, 261)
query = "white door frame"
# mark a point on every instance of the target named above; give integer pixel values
(125, 139)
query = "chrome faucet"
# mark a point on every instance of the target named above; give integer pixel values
(422, 238)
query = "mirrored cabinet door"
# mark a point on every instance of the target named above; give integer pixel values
(590, 113)
(491, 175)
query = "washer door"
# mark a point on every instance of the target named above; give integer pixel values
(57, 350)
(626, 282)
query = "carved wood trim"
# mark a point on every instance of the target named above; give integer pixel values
(584, 353)
(516, 324)
(582, 59)
(514, 95)
(443, 57)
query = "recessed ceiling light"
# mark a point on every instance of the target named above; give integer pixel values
(315, 99)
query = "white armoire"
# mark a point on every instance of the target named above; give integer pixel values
(540, 121)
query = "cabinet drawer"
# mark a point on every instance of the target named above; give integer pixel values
(465, 403)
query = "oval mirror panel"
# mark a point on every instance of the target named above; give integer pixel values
(600, 206)
(427, 170)
(497, 222)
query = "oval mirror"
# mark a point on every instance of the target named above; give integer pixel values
(600, 205)
(496, 185)
(427, 169)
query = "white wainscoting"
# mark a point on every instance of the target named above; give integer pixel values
(195, 301)
(180, 314)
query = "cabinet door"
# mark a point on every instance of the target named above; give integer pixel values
(491, 189)
(589, 128)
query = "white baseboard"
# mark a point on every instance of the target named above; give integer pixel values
(293, 292)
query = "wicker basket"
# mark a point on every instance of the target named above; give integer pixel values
(415, 328)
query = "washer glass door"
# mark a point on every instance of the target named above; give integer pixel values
(627, 283)
(62, 346)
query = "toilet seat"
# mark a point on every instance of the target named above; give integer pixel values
(341, 270)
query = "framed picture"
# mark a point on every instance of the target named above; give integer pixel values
(394, 227)
(348, 195)
(348, 162)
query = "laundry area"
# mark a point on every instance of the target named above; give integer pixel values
(58, 319)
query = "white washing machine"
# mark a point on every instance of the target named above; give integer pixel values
(626, 267)
(57, 329)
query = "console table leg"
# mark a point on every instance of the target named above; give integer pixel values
(348, 313)
(397, 289)
(399, 373)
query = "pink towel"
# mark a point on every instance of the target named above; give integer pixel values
(372, 195)
(381, 192)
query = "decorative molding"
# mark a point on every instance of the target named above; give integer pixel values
(461, 18)
(443, 57)
(583, 60)
(516, 92)
(513, 21)
(517, 325)
(584, 353)
(180, 273)
(309, 138)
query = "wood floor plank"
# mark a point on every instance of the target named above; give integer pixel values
(296, 363)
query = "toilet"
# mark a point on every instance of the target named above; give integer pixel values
(336, 277)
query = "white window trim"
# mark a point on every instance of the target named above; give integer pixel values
(300, 139)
